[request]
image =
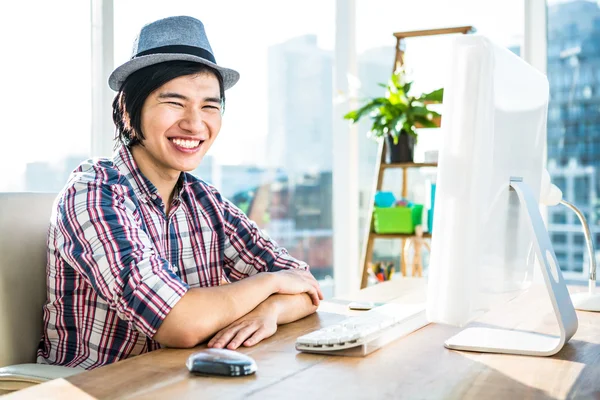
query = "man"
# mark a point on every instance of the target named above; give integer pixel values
(138, 248)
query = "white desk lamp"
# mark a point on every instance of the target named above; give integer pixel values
(551, 195)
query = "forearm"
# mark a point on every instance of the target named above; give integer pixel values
(262, 322)
(203, 311)
(289, 308)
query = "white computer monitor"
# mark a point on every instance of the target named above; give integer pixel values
(487, 228)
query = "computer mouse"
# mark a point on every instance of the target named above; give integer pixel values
(221, 362)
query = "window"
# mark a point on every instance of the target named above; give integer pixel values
(572, 28)
(501, 21)
(582, 190)
(560, 182)
(46, 102)
(578, 261)
(559, 238)
(554, 113)
(558, 217)
(273, 155)
(562, 259)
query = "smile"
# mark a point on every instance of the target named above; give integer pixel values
(186, 145)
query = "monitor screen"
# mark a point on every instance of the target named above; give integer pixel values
(493, 129)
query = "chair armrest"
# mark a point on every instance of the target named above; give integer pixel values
(20, 376)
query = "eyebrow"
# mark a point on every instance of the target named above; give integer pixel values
(173, 95)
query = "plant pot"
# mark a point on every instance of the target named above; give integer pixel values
(402, 152)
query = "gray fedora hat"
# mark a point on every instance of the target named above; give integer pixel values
(170, 39)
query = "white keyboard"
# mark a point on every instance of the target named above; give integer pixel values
(365, 333)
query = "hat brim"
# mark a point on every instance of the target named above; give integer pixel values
(116, 79)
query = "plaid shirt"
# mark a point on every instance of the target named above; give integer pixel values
(117, 264)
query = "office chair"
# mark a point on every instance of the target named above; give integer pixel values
(24, 221)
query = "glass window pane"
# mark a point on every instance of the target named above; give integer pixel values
(582, 190)
(558, 217)
(559, 238)
(578, 239)
(573, 155)
(561, 257)
(377, 20)
(578, 261)
(46, 92)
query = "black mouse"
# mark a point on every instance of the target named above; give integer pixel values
(221, 362)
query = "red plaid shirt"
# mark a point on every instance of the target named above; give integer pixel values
(117, 264)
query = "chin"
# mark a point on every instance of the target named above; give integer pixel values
(188, 166)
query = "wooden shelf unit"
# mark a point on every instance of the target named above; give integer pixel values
(367, 253)
(397, 235)
(408, 165)
(399, 58)
(381, 167)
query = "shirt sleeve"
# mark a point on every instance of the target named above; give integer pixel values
(104, 242)
(248, 249)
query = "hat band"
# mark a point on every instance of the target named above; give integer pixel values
(179, 49)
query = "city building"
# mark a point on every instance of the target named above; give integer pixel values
(300, 106)
(574, 123)
(566, 232)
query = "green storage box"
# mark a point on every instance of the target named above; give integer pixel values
(397, 219)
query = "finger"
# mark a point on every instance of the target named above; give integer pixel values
(226, 336)
(314, 296)
(317, 287)
(317, 290)
(320, 292)
(259, 335)
(242, 335)
(214, 339)
(218, 335)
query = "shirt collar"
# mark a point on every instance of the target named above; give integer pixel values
(181, 185)
(142, 187)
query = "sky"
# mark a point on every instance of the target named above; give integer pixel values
(46, 102)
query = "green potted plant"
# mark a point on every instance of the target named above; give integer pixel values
(396, 116)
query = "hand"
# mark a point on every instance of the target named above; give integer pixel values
(296, 281)
(255, 326)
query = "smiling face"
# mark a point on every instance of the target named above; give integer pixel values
(180, 121)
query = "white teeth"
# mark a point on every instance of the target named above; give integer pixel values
(188, 144)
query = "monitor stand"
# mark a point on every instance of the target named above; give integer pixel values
(496, 340)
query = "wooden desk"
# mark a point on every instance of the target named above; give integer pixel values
(414, 367)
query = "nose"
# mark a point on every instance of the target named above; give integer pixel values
(193, 123)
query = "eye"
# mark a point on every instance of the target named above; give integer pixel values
(174, 103)
(211, 108)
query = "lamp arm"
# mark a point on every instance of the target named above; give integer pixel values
(588, 239)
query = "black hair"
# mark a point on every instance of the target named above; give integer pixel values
(128, 103)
